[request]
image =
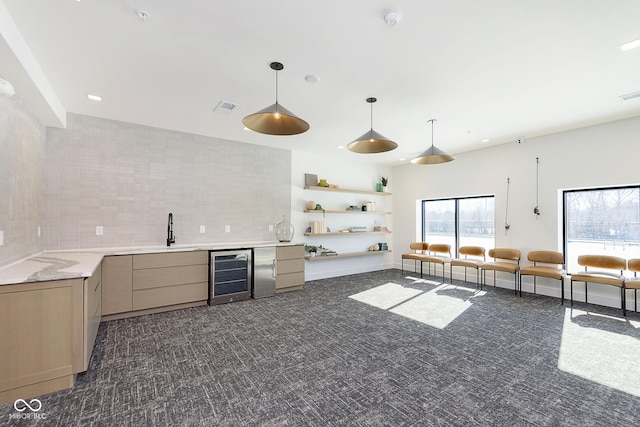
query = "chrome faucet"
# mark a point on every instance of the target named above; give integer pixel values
(170, 237)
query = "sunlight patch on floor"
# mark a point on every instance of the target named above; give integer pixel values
(599, 355)
(386, 296)
(432, 307)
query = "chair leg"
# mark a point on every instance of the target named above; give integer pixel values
(572, 292)
(562, 291)
(515, 283)
(635, 300)
(624, 301)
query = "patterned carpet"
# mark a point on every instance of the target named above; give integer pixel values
(373, 349)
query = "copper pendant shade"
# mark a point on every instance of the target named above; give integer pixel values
(275, 119)
(433, 154)
(371, 142)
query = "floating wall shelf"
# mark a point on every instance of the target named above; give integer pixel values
(344, 255)
(346, 190)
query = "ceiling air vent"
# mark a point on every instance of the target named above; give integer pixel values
(225, 107)
(628, 96)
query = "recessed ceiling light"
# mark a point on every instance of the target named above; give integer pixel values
(628, 96)
(143, 15)
(631, 45)
(94, 97)
(485, 140)
(312, 78)
(225, 107)
(340, 146)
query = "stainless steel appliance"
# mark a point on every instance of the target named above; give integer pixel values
(229, 276)
(265, 270)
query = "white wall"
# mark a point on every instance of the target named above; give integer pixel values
(602, 155)
(347, 174)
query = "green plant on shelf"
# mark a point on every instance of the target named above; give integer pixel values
(385, 181)
(313, 249)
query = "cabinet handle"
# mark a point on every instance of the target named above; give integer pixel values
(275, 268)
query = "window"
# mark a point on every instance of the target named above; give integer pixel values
(602, 221)
(468, 221)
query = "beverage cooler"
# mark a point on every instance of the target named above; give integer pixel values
(230, 276)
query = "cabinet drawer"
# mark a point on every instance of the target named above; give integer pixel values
(288, 280)
(290, 266)
(289, 252)
(160, 277)
(170, 295)
(143, 261)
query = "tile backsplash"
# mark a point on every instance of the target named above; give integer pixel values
(22, 180)
(126, 178)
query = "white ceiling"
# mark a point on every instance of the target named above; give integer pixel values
(497, 69)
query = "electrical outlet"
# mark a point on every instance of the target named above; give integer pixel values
(202, 229)
(99, 230)
(270, 227)
(227, 229)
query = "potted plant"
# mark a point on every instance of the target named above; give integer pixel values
(312, 250)
(385, 181)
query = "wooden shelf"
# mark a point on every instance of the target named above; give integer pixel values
(347, 212)
(347, 190)
(346, 233)
(344, 255)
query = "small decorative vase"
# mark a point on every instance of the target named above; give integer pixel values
(284, 230)
(379, 187)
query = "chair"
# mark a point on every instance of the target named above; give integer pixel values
(506, 260)
(552, 271)
(439, 253)
(633, 282)
(419, 249)
(477, 254)
(607, 262)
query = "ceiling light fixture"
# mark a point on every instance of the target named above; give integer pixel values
(392, 17)
(371, 141)
(631, 45)
(275, 119)
(433, 154)
(94, 97)
(143, 15)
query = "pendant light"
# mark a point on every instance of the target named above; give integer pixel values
(433, 154)
(275, 119)
(371, 141)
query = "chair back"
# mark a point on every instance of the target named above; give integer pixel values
(546, 257)
(478, 251)
(419, 246)
(505, 253)
(440, 248)
(603, 261)
(634, 265)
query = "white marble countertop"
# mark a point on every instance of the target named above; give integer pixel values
(73, 264)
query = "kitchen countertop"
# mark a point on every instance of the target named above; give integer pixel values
(73, 264)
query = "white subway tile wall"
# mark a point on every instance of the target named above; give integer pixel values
(22, 180)
(127, 178)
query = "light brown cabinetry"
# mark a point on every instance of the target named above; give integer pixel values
(47, 330)
(290, 262)
(117, 290)
(148, 283)
(168, 279)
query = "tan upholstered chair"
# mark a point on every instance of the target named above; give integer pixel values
(470, 257)
(419, 249)
(633, 282)
(506, 260)
(439, 253)
(553, 268)
(612, 276)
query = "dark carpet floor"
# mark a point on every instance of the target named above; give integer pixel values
(373, 349)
